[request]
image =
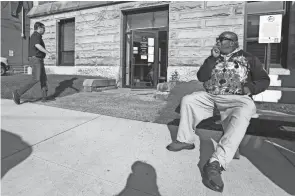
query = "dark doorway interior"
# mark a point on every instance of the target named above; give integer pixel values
(145, 48)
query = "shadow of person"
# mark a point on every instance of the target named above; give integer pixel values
(13, 151)
(62, 86)
(143, 179)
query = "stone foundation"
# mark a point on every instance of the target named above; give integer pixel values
(186, 73)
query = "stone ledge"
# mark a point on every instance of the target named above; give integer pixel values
(166, 86)
(164, 89)
(100, 89)
(161, 95)
(98, 84)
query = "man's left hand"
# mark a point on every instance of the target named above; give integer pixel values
(247, 91)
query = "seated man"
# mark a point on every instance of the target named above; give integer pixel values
(231, 76)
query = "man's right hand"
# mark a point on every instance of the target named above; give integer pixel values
(51, 56)
(215, 51)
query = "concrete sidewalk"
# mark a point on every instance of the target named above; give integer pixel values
(52, 151)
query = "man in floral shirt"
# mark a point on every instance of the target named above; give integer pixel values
(230, 77)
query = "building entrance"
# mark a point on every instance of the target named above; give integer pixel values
(146, 49)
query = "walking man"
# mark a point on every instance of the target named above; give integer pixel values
(230, 77)
(37, 53)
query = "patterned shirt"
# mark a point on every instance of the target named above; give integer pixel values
(228, 75)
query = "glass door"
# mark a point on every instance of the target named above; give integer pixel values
(144, 59)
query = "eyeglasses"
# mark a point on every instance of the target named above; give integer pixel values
(221, 39)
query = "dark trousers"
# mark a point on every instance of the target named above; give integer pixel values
(38, 75)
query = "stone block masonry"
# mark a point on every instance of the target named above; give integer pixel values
(192, 31)
(193, 27)
(97, 37)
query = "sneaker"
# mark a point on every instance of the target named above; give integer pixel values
(212, 176)
(16, 97)
(177, 146)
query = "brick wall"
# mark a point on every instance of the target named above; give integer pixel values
(193, 29)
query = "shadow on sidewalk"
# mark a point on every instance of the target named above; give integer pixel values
(13, 151)
(264, 156)
(271, 161)
(62, 86)
(142, 179)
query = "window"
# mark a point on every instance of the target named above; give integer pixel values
(254, 10)
(66, 42)
(147, 20)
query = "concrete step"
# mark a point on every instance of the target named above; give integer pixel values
(283, 95)
(99, 84)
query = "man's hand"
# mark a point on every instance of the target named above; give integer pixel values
(215, 51)
(247, 91)
(51, 56)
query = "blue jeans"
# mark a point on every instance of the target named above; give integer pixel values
(38, 75)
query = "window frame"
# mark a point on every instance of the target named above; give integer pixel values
(60, 39)
(125, 33)
(283, 11)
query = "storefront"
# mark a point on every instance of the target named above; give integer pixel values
(141, 44)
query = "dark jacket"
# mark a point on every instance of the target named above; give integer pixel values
(257, 78)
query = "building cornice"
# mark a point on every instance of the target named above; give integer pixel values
(67, 6)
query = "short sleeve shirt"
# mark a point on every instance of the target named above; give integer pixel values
(36, 38)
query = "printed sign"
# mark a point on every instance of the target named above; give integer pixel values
(10, 52)
(270, 28)
(143, 56)
(135, 50)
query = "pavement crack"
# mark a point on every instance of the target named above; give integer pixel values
(279, 149)
(67, 130)
(94, 176)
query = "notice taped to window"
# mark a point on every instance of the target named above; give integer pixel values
(270, 28)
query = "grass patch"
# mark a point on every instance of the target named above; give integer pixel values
(58, 85)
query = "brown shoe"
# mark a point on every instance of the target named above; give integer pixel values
(178, 146)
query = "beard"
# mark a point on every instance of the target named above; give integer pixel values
(226, 49)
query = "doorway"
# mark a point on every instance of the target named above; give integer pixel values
(146, 46)
(148, 65)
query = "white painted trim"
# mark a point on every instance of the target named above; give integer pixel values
(274, 80)
(279, 71)
(268, 96)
